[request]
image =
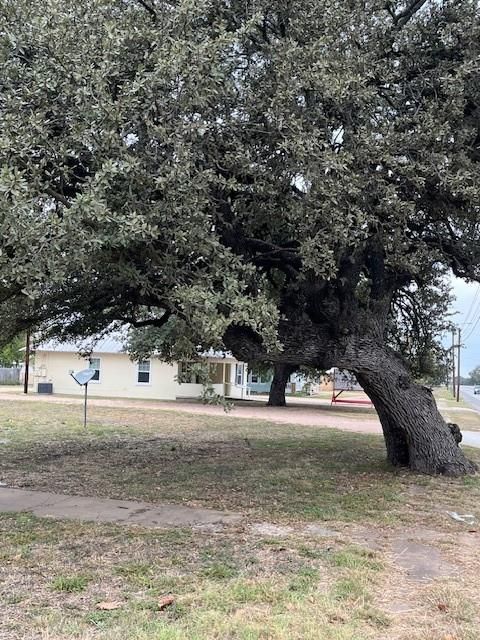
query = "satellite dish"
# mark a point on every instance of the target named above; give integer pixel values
(84, 376)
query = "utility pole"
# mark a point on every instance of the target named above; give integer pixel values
(453, 362)
(27, 362)
(459, 345)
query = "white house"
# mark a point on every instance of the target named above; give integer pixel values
(116, 375)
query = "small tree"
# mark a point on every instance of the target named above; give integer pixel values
(475, 375)
(13, 353)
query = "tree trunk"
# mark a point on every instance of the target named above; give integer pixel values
(415, 433)
(282, 373)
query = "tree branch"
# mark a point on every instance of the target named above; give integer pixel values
(57, 196)
(389, 8)
(149, 8)
(151, 322)
(410, 10)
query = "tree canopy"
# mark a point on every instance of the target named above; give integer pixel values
(184, 155)
(271, 175)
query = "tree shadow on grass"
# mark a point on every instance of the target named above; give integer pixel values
(329, 475)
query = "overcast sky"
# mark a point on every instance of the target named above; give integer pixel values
(467, 306)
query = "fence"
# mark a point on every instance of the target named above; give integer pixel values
(10, 375)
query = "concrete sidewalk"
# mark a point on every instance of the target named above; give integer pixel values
(52, 505)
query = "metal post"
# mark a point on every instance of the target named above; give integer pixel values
(453, 362)
(85, 408)
(27, 362)
(458, 363)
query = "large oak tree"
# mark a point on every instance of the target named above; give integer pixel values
(268, 174)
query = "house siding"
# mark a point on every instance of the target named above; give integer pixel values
(118, 376)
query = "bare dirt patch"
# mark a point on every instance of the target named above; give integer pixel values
(420, 561)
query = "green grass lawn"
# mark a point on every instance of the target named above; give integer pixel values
(242, 581)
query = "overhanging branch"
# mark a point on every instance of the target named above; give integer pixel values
(149, 322)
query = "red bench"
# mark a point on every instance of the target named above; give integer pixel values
(337, 400)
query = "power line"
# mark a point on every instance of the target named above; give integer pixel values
(474, 301)
(477, 321)
(475, 315)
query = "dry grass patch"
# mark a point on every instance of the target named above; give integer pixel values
(222, 585)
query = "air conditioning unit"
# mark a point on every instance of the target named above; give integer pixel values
(45, 387)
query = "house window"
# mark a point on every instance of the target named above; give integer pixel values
(254, 379)
(143, 372)
(94, 363)
(239, 374)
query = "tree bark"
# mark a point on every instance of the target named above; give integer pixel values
(415, 433)
(282, 373)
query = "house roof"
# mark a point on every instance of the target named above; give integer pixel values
(110, 344)
(115, 343)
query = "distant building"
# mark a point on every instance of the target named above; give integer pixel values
(116, 375)
(259, 383)
(298, 383)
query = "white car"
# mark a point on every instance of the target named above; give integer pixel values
(476, 389)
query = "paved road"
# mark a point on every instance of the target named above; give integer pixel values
(471, 438)
(469, 397)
